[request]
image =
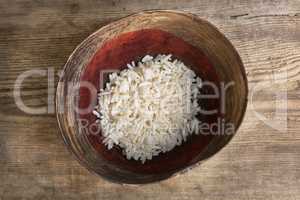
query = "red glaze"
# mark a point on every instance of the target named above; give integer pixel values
(132, 46)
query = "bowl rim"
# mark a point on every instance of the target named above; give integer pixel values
(194, 17)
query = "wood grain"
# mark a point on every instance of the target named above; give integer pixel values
(259, 163)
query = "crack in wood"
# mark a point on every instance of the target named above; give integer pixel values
(237, 16)
(266, 15)
(275, 15)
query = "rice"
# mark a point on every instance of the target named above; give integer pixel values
(149, 108)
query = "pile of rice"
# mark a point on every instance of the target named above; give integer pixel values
(149, 108)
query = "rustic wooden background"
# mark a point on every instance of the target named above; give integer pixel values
(259, 163)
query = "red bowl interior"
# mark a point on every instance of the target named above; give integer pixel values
(132, 46)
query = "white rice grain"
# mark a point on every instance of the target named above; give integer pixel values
(149, 108)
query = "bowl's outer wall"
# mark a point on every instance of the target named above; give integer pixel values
(193, 30)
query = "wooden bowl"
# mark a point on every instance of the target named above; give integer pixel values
(194, 41)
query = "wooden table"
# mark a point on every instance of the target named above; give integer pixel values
(261, 162)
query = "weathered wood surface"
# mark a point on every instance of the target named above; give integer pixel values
(259, 163)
